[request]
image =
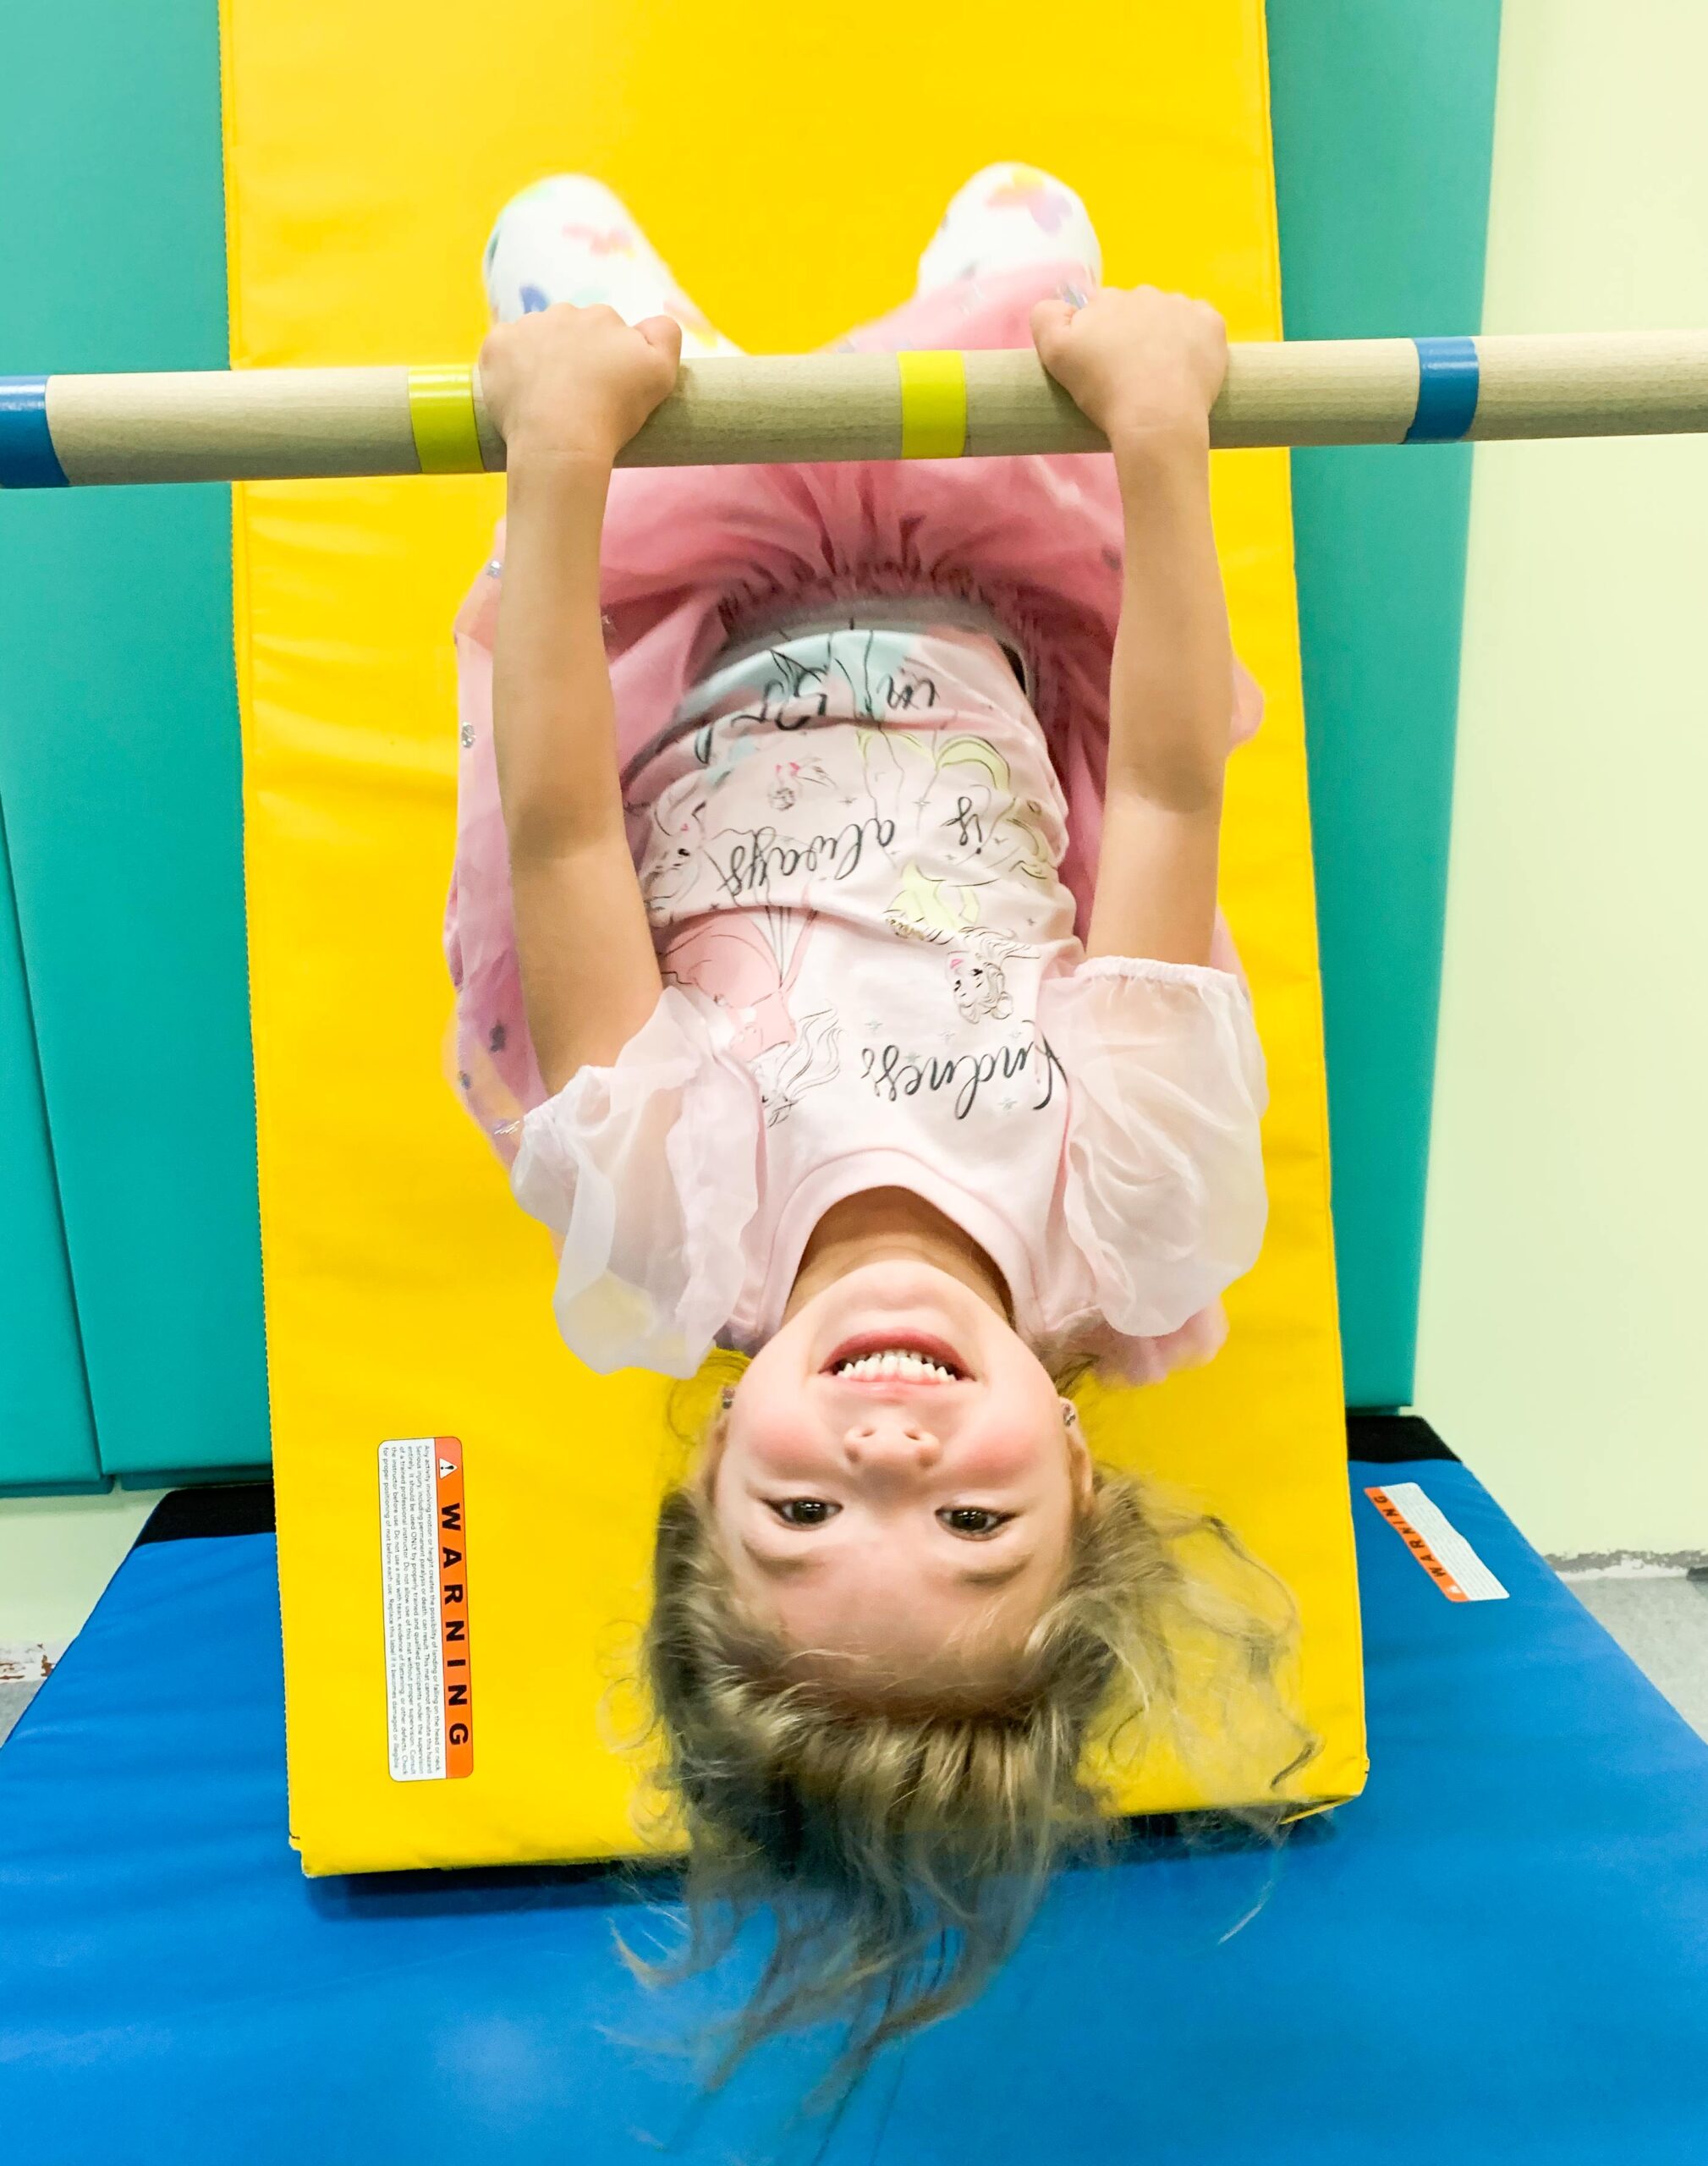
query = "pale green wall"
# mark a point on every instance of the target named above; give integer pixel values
(57, 1554)
(1563, 1320)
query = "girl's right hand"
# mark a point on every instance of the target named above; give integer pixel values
(574, 384)
(1140, 363)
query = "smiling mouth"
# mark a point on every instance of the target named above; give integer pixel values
(882, 1357)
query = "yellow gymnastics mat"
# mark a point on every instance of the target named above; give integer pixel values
(789, 170)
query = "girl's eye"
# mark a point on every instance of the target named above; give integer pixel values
(972, 1520)
(805, 1511)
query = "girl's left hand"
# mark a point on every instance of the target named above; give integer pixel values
(575, 384)
(1139, 363)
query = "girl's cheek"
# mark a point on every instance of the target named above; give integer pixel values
(999, 1455)
(1012, 1449)
(779, 1437)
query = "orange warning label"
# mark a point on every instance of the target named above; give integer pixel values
(1419, 1547)
(453, 1609)
(424, 1558)
(1437, 1543)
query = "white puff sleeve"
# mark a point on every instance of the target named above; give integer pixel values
(1164, 1192)
(646, 1173)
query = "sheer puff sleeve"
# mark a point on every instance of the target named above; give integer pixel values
(1162, 1191)
(646, 1174)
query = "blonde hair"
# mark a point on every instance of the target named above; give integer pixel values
(903, 1848)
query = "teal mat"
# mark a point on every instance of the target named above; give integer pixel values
(47, 1436)
(119, 757)
(1383, 115)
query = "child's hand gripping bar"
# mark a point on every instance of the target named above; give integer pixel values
(296, 424)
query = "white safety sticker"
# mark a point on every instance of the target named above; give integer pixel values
(1437, 1543)
(424, 1551)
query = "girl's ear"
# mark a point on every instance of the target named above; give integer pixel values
(1081, 1471)
(716, 1435)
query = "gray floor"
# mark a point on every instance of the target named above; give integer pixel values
(1663, 1624)
(14, 1700)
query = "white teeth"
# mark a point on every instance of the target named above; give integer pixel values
(898, 1362)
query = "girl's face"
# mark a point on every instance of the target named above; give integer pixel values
(898, 1481)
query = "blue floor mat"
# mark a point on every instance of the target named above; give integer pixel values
(1500, 1953)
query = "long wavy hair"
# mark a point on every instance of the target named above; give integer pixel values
(901, 1845)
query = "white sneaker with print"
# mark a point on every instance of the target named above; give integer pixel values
(1007, 214)
(570, 239)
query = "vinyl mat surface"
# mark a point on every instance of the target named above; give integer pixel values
(1499, 1951)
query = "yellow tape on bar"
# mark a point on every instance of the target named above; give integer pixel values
(934, 405)
(442, 415)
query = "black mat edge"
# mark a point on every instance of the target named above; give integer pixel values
(1389, 1439)
(215, 1508)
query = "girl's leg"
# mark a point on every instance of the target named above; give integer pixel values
(1008, 221)
(1005, 216)
(570, 239)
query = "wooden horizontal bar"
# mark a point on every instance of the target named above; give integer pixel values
(297, 424)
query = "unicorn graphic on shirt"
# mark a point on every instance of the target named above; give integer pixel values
(749, 962)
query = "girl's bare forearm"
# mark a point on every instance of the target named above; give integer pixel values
(1170, 698)
(554, 719)
(589, 972)
(1170, 701)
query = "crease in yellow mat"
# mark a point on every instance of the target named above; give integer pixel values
(366, 152)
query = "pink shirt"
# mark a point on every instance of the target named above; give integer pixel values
(849, 838)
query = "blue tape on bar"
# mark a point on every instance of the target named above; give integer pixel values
(27, 458)
(1447, 382)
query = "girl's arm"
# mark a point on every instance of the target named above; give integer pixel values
(568, 388)
(1146, 366)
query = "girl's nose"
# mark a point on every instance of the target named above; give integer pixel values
(894, 1443)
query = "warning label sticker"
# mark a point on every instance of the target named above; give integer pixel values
(424, 1565)
(1437, 1543)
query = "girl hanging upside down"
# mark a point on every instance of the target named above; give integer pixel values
(839, 971)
